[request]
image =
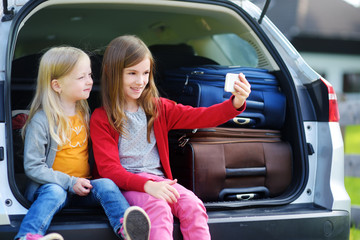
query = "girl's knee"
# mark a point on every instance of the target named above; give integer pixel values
(189, 196)
(158, 208)
(191, 205)
(105, 184)
(52, 191)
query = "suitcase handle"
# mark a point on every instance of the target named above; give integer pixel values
(243, 196)
(243, 193)
(244, 121)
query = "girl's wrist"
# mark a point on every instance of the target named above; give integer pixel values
(237, 103)
(147, 185)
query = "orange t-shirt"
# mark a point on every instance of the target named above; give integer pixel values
(72, 158)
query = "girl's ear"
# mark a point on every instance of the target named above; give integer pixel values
(55, 85)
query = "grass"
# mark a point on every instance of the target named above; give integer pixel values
(352, 146)
(352, 184)
(354, 234)
(352, 139)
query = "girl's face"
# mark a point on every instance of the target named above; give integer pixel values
(77, 84)
(135, 80)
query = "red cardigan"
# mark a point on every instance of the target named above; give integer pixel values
(171, 116)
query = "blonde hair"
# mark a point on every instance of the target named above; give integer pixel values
(56, 63)
(123, 52)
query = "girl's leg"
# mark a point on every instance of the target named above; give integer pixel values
(192, 215)
(49, 199)
(107, 194)
(158, 211)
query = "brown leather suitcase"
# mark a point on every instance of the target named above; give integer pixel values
(220, 164)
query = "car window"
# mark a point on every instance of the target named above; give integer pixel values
(237, 50)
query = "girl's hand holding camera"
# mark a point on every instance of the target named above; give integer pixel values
(241, 90)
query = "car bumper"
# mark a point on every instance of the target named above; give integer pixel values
(282, 222)
(287, 222)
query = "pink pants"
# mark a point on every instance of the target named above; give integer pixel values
(189, 209)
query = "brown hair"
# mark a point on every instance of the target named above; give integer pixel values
(123, 52)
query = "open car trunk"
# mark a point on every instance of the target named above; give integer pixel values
(179, 35)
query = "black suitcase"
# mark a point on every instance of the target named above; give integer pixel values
(220, 164)
(204, 86)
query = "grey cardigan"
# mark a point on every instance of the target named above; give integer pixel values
(39, 155)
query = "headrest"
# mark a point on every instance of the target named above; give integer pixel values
(182, 48)
(26, 67)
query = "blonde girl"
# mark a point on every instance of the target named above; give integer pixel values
(56, 150)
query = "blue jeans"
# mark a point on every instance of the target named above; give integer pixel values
(51, 198)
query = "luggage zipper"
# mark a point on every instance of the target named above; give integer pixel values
(192, 73)
(185, 138)
(197, 72)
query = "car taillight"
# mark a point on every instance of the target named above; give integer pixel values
(334, 115)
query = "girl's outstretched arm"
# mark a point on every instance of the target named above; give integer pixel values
(242, 91)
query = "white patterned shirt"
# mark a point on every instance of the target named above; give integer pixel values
(135, 152)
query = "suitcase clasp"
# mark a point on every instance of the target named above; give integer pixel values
(187, 80)
(183, 140)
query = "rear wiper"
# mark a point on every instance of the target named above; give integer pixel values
(266, 6)
(8, 14)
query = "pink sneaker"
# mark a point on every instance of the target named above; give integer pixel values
(50, 236)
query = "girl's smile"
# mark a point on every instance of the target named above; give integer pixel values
(135, 80)
(137, 89)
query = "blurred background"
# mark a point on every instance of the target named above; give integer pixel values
(327, 35)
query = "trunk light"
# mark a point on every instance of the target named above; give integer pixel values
(334, 115)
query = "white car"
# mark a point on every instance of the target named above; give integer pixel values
(315, 205)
